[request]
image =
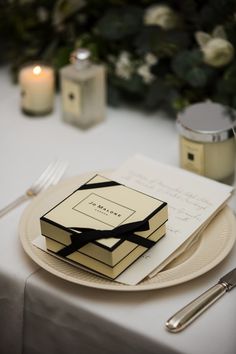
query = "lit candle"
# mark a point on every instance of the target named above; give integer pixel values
(37, 89)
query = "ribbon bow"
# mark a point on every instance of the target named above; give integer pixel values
(123, 232)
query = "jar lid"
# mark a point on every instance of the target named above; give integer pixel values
(207, 122)
(80, 58)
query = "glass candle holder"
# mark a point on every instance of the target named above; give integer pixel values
(37, 89)
(207, 143)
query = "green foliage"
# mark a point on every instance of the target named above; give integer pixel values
(162, 43)
(189, 66)
(118, 23)
(152, 60)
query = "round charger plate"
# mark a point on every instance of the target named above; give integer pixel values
(211, 248)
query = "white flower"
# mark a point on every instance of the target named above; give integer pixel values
(217, 50)
(144, 72)
(123, 67)
(161, 15)
(151, 59)
(144, 69)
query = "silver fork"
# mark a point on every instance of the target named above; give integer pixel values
(50, 176)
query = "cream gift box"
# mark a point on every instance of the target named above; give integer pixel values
(104, 226)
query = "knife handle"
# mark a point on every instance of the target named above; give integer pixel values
(191, 311)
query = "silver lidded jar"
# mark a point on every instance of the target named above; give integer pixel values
(207, 141)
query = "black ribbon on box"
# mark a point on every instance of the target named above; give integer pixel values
(81, 236)
(99, 185)
(123, 232)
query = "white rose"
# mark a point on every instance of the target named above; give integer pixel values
(161, 15)
(218, 52)
(124, 67)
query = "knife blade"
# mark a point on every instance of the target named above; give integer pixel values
(191, 311)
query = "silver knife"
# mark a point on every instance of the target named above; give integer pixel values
(190, 312)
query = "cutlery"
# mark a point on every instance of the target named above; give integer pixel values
(50, 176)
(190, 312)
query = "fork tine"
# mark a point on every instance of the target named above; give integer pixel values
(47, 177)
(44, 175)
(38, 186)
(56, 176)
(60, 173)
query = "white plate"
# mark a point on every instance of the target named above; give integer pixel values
(211, 248)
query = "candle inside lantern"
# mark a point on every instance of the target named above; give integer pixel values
(37, 89)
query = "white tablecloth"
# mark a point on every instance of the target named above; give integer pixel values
(40, 313)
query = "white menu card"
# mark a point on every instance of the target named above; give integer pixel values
(192, 200)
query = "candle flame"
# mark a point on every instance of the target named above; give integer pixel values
(37, 70)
